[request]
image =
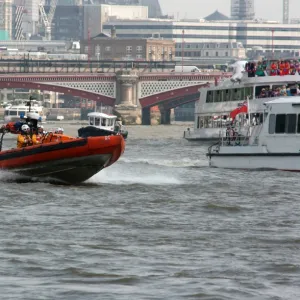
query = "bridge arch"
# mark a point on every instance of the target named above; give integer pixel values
(168, 100)
(109, 101)
(160, 98)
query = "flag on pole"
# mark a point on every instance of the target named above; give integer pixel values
(242, 108)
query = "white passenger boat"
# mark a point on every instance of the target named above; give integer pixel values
(260, 81)
(272, 144)
(18, 109)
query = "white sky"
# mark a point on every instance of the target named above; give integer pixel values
(266, 9)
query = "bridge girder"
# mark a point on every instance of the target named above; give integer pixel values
(60, 89)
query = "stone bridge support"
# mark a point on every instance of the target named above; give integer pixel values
(127, 88)
(165, 116)
(146, 116)
(127, 101)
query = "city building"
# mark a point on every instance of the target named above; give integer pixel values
(67, 23)
(95, 15)
(5, 19)
(242, 9)
(268, 35)
(212, 53)
(36, 45)
(30, 17)
(111, 47)
(154, 9)
(73, 22)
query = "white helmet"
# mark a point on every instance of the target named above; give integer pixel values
(40, 126)
(59, 130)
(25, 127)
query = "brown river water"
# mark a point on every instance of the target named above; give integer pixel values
(158, 224)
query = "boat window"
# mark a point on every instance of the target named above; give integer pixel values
(280, 123)
(298, 124)
(198, 122)
(103, 122)
(236, 94)
(262, 91)
(218, 97)
(13, 113)
(248, 92)
(227, 95)
(97, 121)
(209, 97)
(242, 96)
(6, 112)
(290, 126)
(272, 122)
(91, 121)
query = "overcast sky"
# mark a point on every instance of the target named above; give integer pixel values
(267, 9)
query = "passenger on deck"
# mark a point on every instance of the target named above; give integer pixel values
(24, 138)
(286, 70)
(274, 69)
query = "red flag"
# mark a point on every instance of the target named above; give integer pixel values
(243, 108)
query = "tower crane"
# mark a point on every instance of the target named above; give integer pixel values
(286, 11)
(47, 19)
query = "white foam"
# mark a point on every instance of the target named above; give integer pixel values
(119, 175)
(180, 163)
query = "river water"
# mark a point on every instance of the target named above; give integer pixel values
(158, 224)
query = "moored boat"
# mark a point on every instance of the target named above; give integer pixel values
(19, 108)
(272, 144)
(101, 124)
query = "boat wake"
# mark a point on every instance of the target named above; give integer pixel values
(119, 175)
(181, 163)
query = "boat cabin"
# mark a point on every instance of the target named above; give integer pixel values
(102, 120)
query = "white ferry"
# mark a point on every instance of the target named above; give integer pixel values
(272, 144)
(19, 108)
(259, 81)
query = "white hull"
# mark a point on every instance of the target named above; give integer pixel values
(17, 118)
(280, 161)
(209, 134)
(205, 134)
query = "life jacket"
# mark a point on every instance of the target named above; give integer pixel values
(24, 140)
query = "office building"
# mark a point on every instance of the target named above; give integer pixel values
(5, 19)
(268, 35)
(242, 9)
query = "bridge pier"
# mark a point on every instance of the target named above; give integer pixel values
(146, 116)
(126, 88)
(165, 116)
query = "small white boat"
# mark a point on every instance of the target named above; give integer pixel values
(102, 124)
(273, 144)
(19, 108)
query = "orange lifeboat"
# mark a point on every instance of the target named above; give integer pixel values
(63, 158)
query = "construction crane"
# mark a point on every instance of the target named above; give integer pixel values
(286, 9)
(47, 19)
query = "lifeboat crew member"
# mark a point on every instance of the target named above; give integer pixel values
(59, 130)
(37, 138)
(24, 138)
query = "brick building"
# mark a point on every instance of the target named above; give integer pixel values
(103, 47)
